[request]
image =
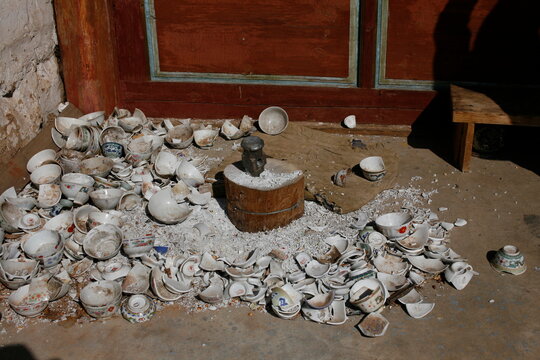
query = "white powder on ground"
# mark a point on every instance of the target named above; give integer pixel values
(267, 180)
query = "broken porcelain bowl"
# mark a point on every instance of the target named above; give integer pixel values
(189, 174)
(368, 295)
(432, 266)
(316, 270)
(97, 166)
(137, 281)
(76, 186)
(391, 264)
(163, 207)
(43, 157)
(179, 137)
(393, 282)
(80, 217)
(373, 325)
(165, 164)
(459, 274)
(101, 299)
(103, 242)
(273, 120)
(64, 124)
(97, 218)
(131, 123)
(46, 246)
(373, 168)
(49, 195)
(204, 138)
(412, 297)
(26, 304)
(394, 225)
(321, 301)
(95, 118)
(230, 131)
(106, 199)
(350, 121)
(113, 269)
(419, 310)
(197, 198)
(137, 247)
(46, 174)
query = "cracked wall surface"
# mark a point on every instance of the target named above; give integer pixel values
(30, 84)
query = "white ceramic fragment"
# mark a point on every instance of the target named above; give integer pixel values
(350, 121)
(419, 310)
(460, 222)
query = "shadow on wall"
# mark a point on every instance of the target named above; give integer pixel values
(505, 51)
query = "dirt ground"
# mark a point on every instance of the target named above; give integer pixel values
(494, 317)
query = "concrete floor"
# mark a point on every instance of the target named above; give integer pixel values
(499, 199)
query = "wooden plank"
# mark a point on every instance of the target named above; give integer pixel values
(296, 113)
(503, 108)
(86, 44)
(14, 170)
(463, 141)
(268, 37)
(274, 95)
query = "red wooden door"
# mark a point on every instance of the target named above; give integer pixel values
(227, 58)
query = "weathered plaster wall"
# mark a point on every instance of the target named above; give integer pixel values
(30, 83)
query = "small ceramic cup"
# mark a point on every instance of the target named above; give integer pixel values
(138, 308)
(508, 259)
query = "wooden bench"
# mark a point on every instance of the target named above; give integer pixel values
(501, 107)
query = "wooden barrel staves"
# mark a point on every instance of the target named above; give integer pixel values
(259, 204)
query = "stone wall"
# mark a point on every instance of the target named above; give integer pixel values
(30, 83)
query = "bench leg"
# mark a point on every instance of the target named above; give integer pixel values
(463, 145)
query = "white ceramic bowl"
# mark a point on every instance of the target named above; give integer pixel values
(106, 199)
(97, 166)
(96, 219)
(136, 247)
(179, 137)
(20, 302)
(73, 184)
(41, 158)
(103, 242)
(394, 225)
(42, 244)
(205, 138)
(373, 168)
(46, 174)
(94, 119)
(273, 120)
(101, 299)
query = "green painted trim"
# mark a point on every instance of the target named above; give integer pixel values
(157, 75)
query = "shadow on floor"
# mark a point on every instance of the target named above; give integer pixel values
(16, 352)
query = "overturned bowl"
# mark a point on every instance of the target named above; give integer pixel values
(163, 207)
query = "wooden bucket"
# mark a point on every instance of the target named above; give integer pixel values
(254, 208)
